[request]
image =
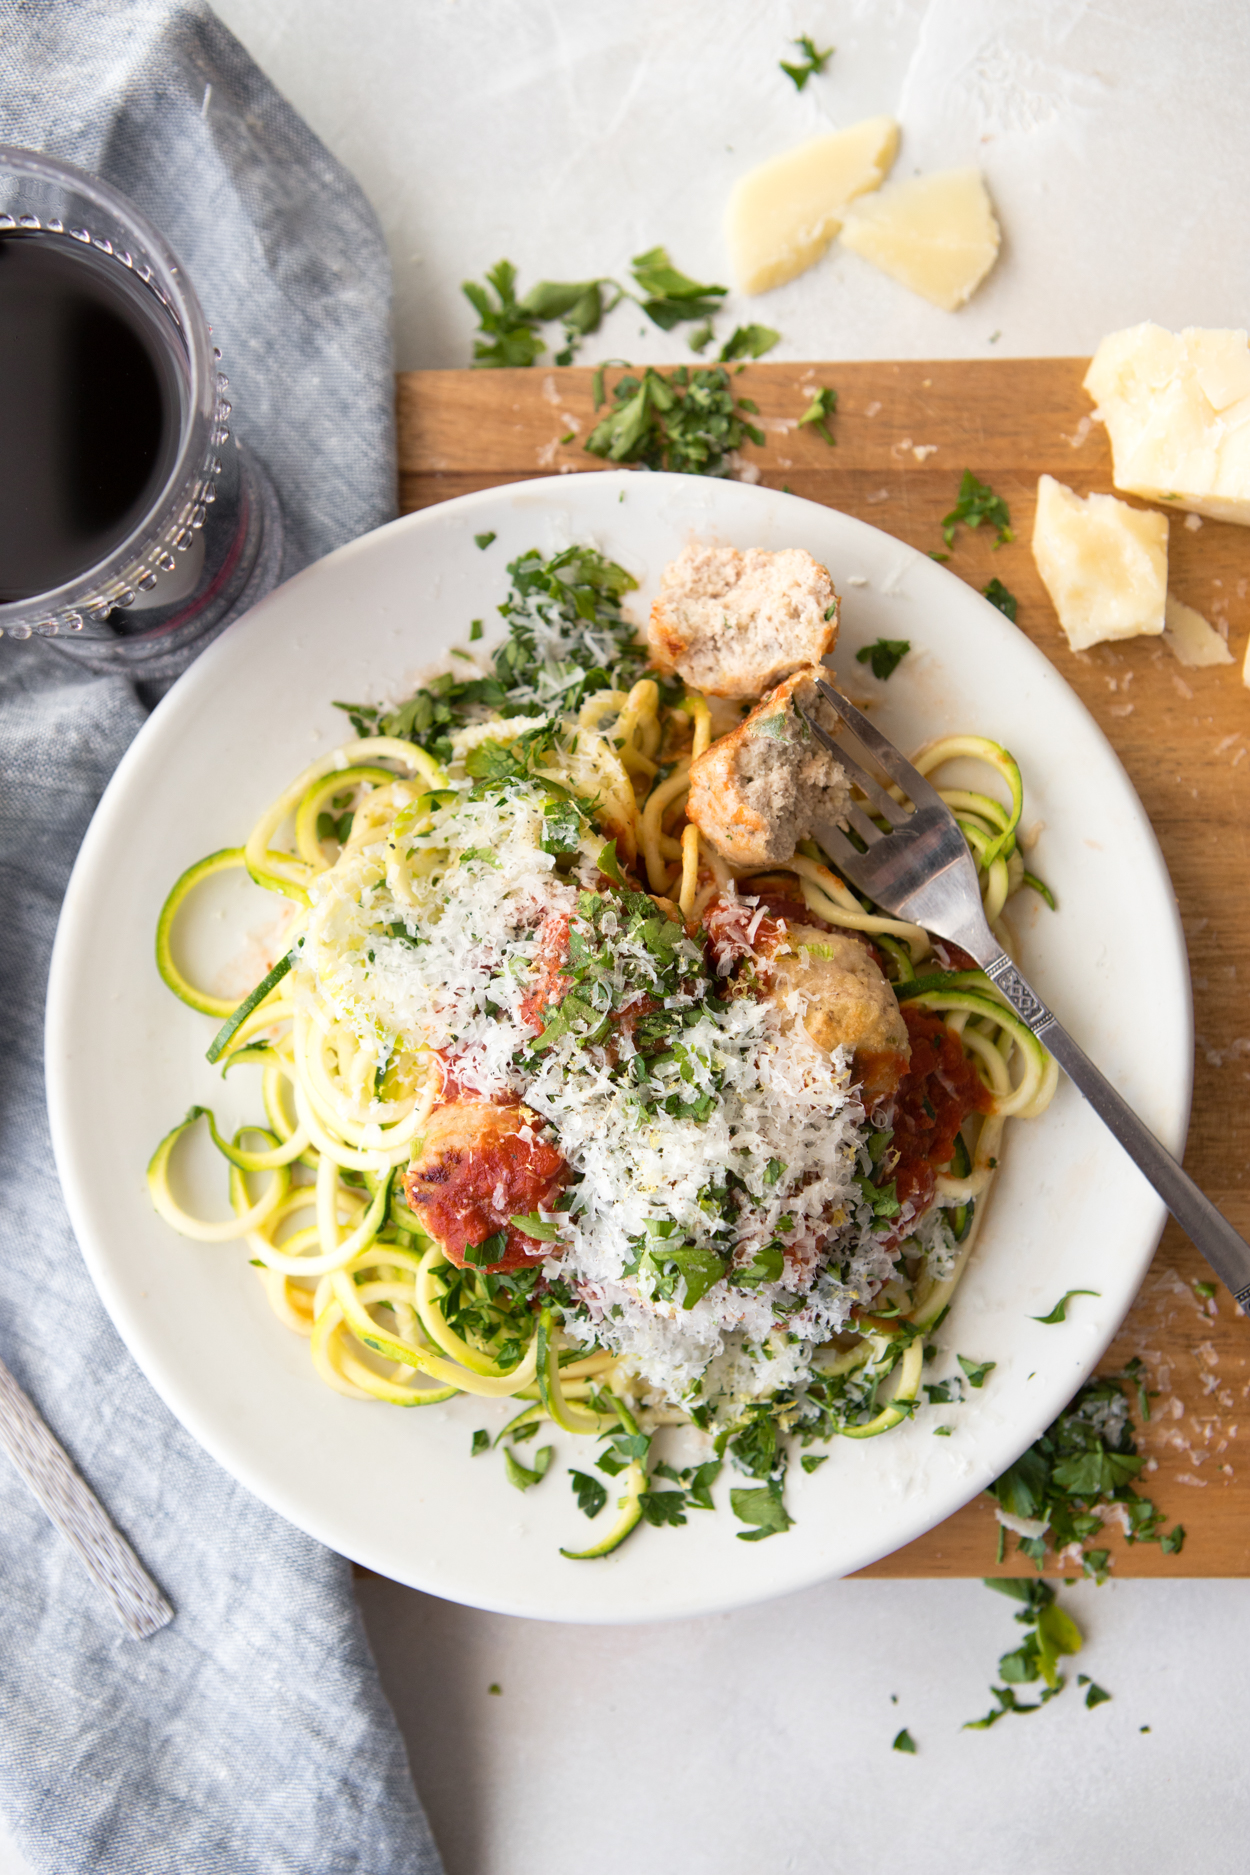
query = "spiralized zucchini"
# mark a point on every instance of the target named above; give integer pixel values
(315, 1192)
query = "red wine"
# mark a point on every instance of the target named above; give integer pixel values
(92, 390)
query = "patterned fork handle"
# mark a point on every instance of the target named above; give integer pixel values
(78, 1513)
(1210, 1232)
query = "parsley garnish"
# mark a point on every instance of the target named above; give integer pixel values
(483, 541)
(1060, 1311)
(591, 1494)
(824, 403)
(481, 1443)
(813, 64)
(976, 1370)
(904, 1742)
(1097, 1695)
(1054, 1634)
(519, 1474)
(885, 656)
(687, 422)
(811, 1461)
(763, 1508)
(977, 502)
(998, 595)
(663, 1507)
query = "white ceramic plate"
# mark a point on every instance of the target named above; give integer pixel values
(398, 1491)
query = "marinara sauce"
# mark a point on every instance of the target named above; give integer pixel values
(936, 1095)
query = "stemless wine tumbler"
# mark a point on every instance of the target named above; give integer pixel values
(133, 525)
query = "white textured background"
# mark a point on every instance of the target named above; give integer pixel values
(568, 135)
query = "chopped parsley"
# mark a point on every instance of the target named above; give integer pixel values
(1060, 1311)
(977, 502)
(824, 403)
(688, 422)
(1097, 1695)
(763, 1508)
(746, 342)
(663, 1507)
(1086, 1459)
(976, 1370)
(885, 656)
(520, 1475)
(998, 595)
(483, 541)
(671, 297)
(813, 63)
(481, 1443)
(1051, 1635)
(904, 1741)
(591, 1494)
(508, 332)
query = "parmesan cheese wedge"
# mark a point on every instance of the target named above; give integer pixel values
(1104, 564)
(1177, 411)
(1191, 639)
(783, 215)
(935, 234)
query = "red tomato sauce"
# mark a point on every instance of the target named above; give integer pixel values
(471, 1190)
(550, 982)
(942, 1076)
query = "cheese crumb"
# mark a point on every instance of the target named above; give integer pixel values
(1190, 638)
(1177, 410)
(1104, 564)
(935, 234)
(783, 215)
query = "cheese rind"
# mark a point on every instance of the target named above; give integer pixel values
(783, 215)
(1104, 564)
(935, 234)
(1177, 411)
(1190, 638)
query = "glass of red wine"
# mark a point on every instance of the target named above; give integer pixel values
(133, 524)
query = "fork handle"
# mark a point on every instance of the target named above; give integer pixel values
(1210, 1232)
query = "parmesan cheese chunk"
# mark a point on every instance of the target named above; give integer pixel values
(1104, 564)
(783, 215)
(935, 234)
(1177, 410)
(1191, 639)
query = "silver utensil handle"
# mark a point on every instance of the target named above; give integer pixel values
(43, 1463)
(1210, 1232)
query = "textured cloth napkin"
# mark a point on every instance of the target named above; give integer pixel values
(250, 1735)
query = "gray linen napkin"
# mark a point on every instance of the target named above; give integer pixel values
(251, 1735)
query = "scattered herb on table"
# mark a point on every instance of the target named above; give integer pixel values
(998, 595)
(976, 1370)
(1097, 1695)
(481, 1442)
(1084, 1462)
(977, 502)
(687, 422)
(812, 64)
(506, 329)
(823, 405)
(669, 296)
(885, 656)
(1052, 1633)
(746, 342)
(904, 1742)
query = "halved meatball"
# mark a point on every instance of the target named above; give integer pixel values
(734, 624)
(478, 1166)
(848, 1001)
(766, 785)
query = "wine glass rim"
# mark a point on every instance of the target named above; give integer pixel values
(181, 299)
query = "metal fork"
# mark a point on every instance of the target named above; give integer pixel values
(922, 870)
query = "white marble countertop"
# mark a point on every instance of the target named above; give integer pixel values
(568, 136)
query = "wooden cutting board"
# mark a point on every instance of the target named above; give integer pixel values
(905, 433)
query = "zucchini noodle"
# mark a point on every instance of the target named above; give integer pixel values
(575, 761)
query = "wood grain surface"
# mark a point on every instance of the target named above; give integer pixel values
(905, 433)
